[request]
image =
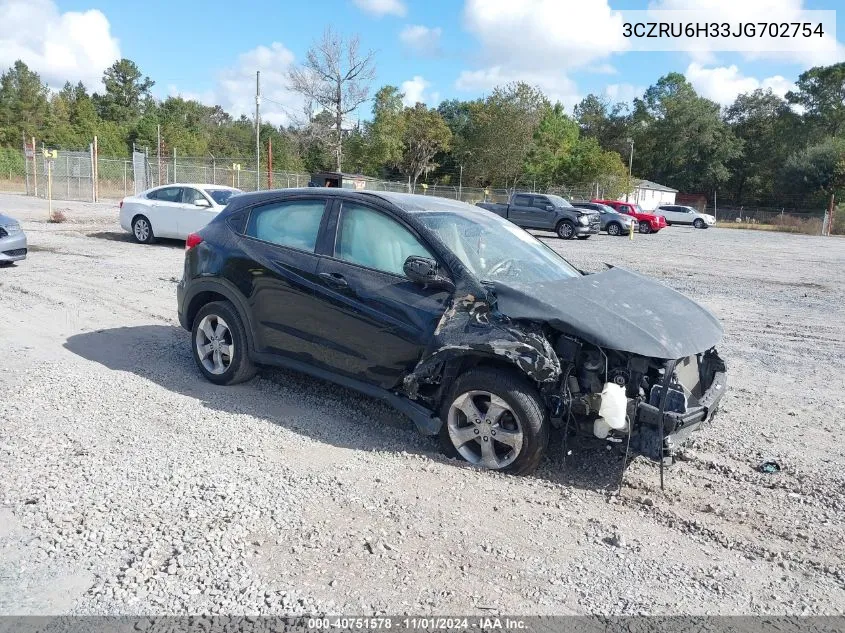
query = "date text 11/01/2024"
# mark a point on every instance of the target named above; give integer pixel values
(416, 623)
(651, 30)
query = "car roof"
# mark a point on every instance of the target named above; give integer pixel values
(198, 185)
(407, 202)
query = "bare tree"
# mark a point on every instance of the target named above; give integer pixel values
(335, 76)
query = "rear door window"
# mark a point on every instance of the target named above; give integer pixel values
(292, 223)
(521, 201)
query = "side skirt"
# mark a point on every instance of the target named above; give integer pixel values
(423, 418)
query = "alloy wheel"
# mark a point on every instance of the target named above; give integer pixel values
(142, 230)
(613, 229)
(484, 430)
(215, 347)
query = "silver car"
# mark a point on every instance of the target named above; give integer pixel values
(611, 221)
(12, 240)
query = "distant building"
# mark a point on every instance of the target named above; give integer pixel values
(649, 195)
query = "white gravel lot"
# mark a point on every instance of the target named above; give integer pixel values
(130, 485)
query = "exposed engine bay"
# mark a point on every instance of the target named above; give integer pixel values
(619, 396)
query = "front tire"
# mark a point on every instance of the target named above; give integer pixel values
(645, 228)
(565, 230)
(219, 344)
(142, 230)
(494, 419)
(699, 223)
(614, 229)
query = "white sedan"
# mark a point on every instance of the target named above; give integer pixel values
(173, 211)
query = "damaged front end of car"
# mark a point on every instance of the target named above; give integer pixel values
(614, 355)
(649, 404)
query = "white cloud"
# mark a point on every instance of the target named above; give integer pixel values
(813, 51)
(382, 7)
(236, 85)
(421, 40)
(539, 41)
(414, 91)
(557, 87)
(234, 88)
(722, 84)
(623, 92)
(71, 46)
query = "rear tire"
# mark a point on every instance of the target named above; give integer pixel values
(565, 230)
(219, 344)
(645, 228)
(142, 230)
(521, 421)
(614, 228)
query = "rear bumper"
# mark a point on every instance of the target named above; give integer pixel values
(180, 307)
(13, 248)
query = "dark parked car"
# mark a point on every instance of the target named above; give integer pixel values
(611, 221)
(547, 212)
(476, 330)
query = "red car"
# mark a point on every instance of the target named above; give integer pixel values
(649, 223)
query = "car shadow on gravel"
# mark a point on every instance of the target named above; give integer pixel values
(306, 405)
(119, 236)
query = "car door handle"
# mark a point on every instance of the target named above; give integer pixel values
(335, 280)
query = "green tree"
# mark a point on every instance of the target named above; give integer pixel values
(500, 133)
(821, 92)
(24, 105)
(607, 123)
(425, 134)
(680, 137)
(818, 169)
(764, 123)
(387, 128)
(126, 90)
(554, 141)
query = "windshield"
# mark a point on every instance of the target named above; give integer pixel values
(558, 201)
(494, 249)
(221, 196)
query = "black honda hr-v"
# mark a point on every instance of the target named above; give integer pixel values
(472, 327)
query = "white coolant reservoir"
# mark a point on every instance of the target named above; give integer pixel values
(612, 410)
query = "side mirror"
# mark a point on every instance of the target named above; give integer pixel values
(202, 202)
(422, 270)
(550, 207)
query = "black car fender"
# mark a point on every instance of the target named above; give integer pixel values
(469, 329)
(201, 291)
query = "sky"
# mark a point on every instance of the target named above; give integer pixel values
(432, 49)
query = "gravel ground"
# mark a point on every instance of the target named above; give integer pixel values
(130, 485)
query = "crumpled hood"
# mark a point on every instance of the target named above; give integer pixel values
(616, 309)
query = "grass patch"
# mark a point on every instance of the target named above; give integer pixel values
(782, 224)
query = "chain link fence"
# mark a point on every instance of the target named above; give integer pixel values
(73, 178)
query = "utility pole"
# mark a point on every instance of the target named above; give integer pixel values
(630, 166)
(715, 208)
(257, 130)
(158, 153)
(461, 183)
